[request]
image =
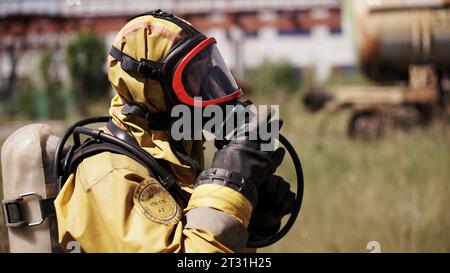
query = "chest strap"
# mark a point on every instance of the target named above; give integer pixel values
(159, 121)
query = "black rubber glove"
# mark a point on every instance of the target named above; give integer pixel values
(241, 164)
(275, 200)
(244, 157)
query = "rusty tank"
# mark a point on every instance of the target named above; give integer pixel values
(403, 47)
(392, 35)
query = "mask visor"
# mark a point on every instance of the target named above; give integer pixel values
(202, 73)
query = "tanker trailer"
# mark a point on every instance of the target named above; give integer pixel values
(403, 47)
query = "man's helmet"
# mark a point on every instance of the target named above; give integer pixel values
(193, 72)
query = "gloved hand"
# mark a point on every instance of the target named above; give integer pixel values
(242, 164)
(245, 156)
(275, 200)
(256, 125)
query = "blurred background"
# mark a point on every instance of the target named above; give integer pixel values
(363, 87)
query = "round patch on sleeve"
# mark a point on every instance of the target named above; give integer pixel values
(156, 203)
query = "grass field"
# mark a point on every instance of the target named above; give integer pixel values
(395, 190)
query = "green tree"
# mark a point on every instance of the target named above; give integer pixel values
(85, 58)
(53, 90)
(23, 102)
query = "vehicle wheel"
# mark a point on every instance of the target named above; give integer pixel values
(366, 125)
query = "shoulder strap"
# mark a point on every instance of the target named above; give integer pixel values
(92, 147)
(122, 134)
(178, 147)
(160, 120)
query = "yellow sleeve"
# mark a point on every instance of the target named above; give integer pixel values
(97, 207)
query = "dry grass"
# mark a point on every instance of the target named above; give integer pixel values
(394, 191)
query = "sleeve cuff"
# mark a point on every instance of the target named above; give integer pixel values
(221, 198)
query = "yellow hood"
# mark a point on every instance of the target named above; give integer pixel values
(149, 38)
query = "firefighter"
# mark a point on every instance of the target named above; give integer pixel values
(112, 204)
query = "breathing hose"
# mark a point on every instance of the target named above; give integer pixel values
(298, 199)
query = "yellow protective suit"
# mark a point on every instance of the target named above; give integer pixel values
(112, 204)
